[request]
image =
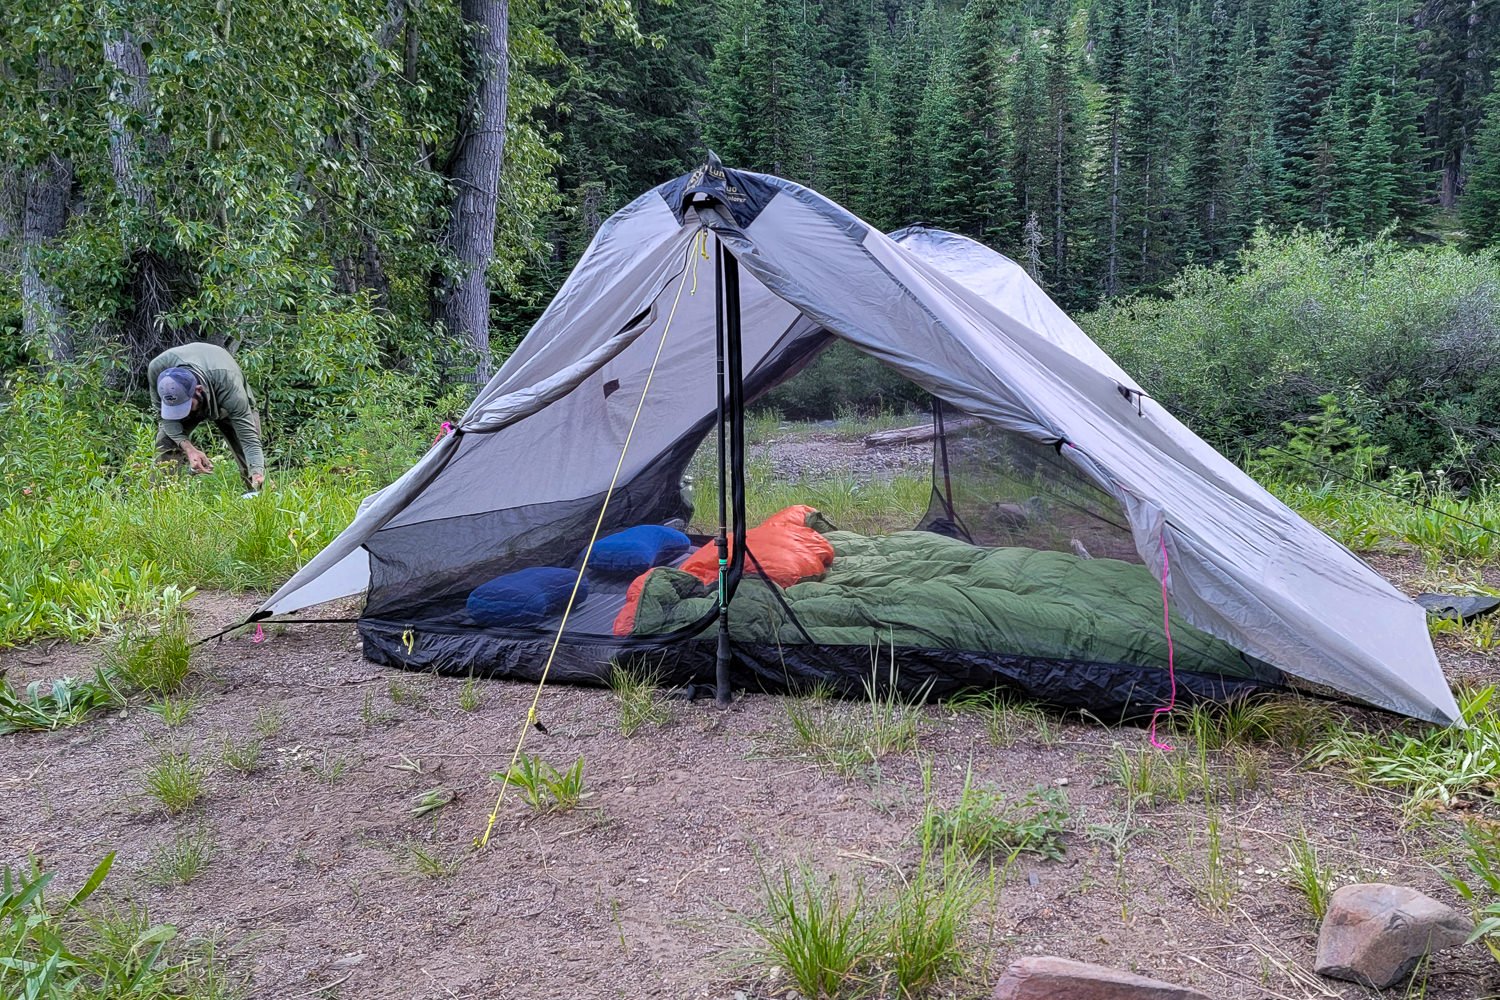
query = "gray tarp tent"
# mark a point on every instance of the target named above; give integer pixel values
(535, 452)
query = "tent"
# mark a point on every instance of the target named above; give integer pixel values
(1067, 504)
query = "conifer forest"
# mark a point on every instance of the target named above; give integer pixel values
(325, 185)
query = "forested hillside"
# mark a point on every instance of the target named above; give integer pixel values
(319, 183)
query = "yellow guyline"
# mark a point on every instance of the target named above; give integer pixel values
(698, 250)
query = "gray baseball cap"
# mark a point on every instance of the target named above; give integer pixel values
(175, 388)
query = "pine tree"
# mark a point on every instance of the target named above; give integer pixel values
(1480, 207)
(1206, 191)
(1301, 95)
(1028, 131)
(1249, 154)
(1460, 38)
(1066, 128)
(763, 118)
(1107, 29)
(1376, 170)
(972, 191)
(1151, 120)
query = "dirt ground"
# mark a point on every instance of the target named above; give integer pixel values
(640, 892)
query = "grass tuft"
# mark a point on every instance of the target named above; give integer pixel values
(470, 696)
(175, 780)
(984, 822)
(242, 757)
(53, 946)
(182, 860)
(156, 662)
(173, 711)
(825, 937)
(426, 862)
(1431, 766)
(639, 698)
(1308, 876)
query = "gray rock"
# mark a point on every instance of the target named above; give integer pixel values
(1375, 934)
(1045, 978)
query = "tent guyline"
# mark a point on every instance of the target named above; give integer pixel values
(1071, 522)
(698, 249)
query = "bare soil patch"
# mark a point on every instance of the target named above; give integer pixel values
(637, 893)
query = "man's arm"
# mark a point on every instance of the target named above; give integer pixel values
(247, 429)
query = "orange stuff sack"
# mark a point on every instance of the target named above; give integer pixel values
(786, 551)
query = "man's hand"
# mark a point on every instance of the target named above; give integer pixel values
(256, 480)
(197, 460)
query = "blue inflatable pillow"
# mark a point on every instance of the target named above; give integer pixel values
(525, 598)
(637, 549)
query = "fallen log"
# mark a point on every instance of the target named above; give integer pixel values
(917, 434)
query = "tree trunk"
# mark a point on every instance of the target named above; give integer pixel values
(47, 189)
(129, 95)
(135, 142)
(475, 177)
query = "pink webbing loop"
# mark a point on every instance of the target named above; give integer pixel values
(1166, 622)
(260, 635)
(443, 431)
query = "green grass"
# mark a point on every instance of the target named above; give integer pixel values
(62, 574)
(173, 712)
(269, 722)
(330, 768)
(183, 859)
(155, 661)
(1008, 720)
(1429, 765)
(850, 735)
(1480, 885)
(841, 940)
(1307, 874)
(427, 862)
(985, 822)
(1425, 513)
(243, 757)
(470, 696)
(53, 947)
(639, 698)
(824, 936)
(925, 923)
(174, 780)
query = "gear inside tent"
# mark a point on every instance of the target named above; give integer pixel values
(573, 519)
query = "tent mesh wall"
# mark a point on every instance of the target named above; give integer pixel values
(988, 562)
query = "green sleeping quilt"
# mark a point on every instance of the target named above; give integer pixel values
(915, 589)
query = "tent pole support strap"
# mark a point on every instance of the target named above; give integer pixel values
(729, 284)
(723, 657)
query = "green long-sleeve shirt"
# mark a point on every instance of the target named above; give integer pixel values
(227, 395)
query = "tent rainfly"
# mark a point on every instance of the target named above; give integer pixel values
(1067, 505)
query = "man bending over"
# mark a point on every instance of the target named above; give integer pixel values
(198, 382)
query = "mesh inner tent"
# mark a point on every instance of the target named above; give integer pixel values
(973, 559)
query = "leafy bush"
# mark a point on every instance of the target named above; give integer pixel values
(1407, 339)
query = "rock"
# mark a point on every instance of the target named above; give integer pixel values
(1046, 978)
(1375, 934)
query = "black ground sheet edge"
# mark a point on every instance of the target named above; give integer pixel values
(1112, 692)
